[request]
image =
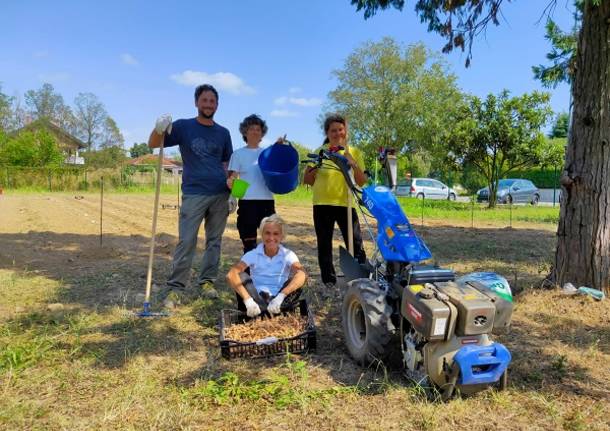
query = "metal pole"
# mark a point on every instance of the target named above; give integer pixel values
(510, 213)
(101, 209)
(472, 211)
(350, 227)
(423, 199)
(554, 184)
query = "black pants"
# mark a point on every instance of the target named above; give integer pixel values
(263, 299)
(324, 218)
(250, 213)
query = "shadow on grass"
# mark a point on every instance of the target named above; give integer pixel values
(533, 369)
(95, 278)
(111, 344)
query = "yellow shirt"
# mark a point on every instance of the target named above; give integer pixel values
(329, 187)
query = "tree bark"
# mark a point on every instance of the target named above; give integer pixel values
(583, 236)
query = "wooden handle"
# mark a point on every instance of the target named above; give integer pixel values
(151, 253)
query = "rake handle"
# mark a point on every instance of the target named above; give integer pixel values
(151, 253)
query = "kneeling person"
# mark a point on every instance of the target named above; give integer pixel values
(276, 275)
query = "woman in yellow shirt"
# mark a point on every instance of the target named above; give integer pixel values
(330, 197)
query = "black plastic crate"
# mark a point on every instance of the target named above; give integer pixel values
(230, 349)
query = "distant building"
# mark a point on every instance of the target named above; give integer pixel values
(172, 166)
(69, 144)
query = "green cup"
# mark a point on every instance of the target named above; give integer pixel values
(239, 188)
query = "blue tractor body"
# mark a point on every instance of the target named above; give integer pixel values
(396, 240)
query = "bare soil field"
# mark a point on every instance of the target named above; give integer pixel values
(72, 356)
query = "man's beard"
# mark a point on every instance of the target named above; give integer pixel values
(206, 116)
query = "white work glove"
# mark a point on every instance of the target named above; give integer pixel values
(163, 124)
(232, 204)
(276, 303)
(252, 308)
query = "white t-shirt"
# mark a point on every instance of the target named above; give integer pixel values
(269, 273)
(245, 162)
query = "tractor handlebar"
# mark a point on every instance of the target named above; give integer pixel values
(338, 160)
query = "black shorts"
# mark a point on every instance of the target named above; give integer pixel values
(250, 213)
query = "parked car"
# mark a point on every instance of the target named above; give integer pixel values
(425, 188)
(512, 191)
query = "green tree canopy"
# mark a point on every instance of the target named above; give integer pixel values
(561, 126)
(109, 157)
(500, 134)
(32, 149)
(563, 51)
(458, 21)
(553, 152)
(395, 96)
(140, 149)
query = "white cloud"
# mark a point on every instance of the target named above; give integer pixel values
(129, 59)
(53, 77)
(226, 81)
(298, 101)
(294, 90)
(283, 113)
(302, 101)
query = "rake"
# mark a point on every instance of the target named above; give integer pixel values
(146, 311)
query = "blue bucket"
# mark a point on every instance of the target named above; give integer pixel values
(279, 164)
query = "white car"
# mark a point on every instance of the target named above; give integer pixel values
(427, 188)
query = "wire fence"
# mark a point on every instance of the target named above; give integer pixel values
(470, 213)
(81, 178)
(421, 212)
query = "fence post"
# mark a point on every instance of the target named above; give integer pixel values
(49, 178)
(472, 198)
(101, 208)
(510, 214)
(423, 199)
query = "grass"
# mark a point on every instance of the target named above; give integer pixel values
(466, 211)
(89, 364)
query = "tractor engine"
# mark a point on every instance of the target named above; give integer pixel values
(447, 323)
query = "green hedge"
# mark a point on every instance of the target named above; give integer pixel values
(542, 178)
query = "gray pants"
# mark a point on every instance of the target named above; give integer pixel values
(215, 210)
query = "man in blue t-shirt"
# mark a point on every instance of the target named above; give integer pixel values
(206, 148)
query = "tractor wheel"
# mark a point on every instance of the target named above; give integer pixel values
(367, 324)
(535, 200)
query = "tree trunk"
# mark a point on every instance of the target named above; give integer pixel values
(583, 235)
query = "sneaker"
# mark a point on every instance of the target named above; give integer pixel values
(208, 291)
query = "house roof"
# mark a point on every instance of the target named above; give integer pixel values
(152, 159)
(64, 138)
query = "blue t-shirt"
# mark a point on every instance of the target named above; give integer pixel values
(203, 150)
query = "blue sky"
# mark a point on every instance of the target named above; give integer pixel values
(274, 58)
